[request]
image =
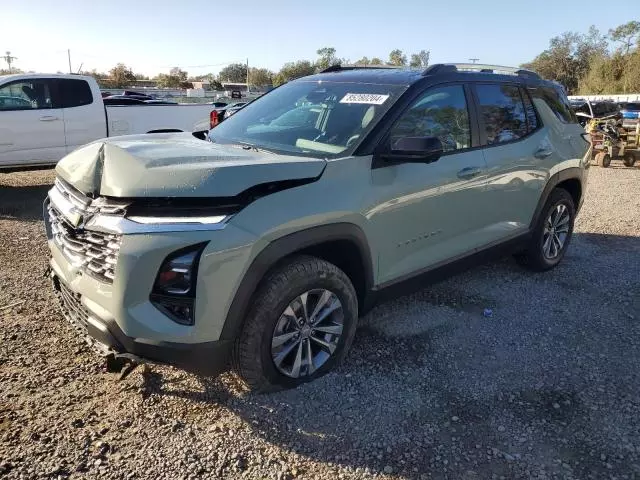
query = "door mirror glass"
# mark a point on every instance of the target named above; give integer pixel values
(419, 149)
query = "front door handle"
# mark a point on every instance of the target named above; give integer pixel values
(48, 118)
(542, 153)
(469, 172)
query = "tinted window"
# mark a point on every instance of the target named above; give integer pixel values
(503, 112)
(557, 102)
(25, 95)
(530, 112)
(439, 112)
(74, 93)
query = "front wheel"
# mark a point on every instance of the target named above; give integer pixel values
(551, 236)
(603, 159)
(302, 321)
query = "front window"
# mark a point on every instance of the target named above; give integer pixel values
(313, 118)
(25, 95)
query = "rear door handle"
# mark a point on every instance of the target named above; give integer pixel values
(48, 118)
(543, 153)
(469, 172)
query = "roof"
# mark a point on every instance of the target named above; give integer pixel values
(17, 76)
(406, 76)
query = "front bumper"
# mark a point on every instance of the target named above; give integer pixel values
(210, 358)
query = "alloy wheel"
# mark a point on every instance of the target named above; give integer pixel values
(556, 231)
(307, 333)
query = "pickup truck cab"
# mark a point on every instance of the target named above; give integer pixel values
(45, 116)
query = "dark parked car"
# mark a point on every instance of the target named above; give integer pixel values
(122, 100)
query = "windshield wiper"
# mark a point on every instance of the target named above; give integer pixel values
(249, 146)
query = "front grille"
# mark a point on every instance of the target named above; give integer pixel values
(95, 252)
(76, 314)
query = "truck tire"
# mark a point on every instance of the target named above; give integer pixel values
(629, 159)
(301, 324)
(552, 234)
(603, 159)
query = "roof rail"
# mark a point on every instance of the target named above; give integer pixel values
(337, 68)
(478, 67)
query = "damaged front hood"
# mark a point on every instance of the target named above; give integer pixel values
(176, 165)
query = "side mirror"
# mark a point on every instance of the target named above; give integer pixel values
(415, 149)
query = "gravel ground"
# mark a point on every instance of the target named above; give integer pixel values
(548, 387)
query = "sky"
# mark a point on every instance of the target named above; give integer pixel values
(151, 36)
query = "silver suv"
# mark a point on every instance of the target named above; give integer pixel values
(261, 247)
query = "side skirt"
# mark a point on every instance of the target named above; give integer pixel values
(418, 280)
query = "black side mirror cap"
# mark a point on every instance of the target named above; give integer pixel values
(413, 149)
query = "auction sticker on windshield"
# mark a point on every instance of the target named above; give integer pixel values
(367, 98)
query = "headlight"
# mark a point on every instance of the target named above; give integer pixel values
(209, 220)
(174, 290)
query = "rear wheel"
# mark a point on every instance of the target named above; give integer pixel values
(302, 321)
(552, 234)
(629, 159)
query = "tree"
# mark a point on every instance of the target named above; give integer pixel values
(364, 61)
(101, 77)
(233, 73)
(292, 70)
(260, 76)
(121, 76)
(397, 58)
(327, 58)
(626, 34)
(176, 78)
(568, 57)
(420, 60)
(209, 77)
(376, 61)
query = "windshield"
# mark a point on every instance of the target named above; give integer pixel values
(312, 118)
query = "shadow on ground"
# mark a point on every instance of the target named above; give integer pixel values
(394, 403)
(22, 202)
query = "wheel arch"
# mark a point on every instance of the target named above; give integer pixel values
(569, 179)
(343, 244)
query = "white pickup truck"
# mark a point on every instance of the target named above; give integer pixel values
(43, 117)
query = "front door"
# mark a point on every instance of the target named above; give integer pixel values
(423, 214)
(31, 130)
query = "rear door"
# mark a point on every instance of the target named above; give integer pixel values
(31, 128)
(519, 154)
(84, 115)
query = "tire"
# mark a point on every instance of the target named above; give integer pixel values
(629, 159)
(603, 159)
(254, 358)
(535, 257)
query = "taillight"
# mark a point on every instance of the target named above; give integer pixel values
(213, 119)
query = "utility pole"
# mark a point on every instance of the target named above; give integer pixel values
(474, 60)
(69, 57)
(9, 59)
(247, 75)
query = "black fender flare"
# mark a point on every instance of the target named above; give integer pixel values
(283, 247)
(556, 179)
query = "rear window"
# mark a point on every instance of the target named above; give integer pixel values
(557, 102)
(503, 112)
(73, 93)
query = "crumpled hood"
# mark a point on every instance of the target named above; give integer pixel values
(176, 165)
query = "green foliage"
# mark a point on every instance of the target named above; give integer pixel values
(121, 76)
(260, 76)
(397, 58)
(176, 78)
(233, 73)
(292, 70)
(420, 60)
(327, 58)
